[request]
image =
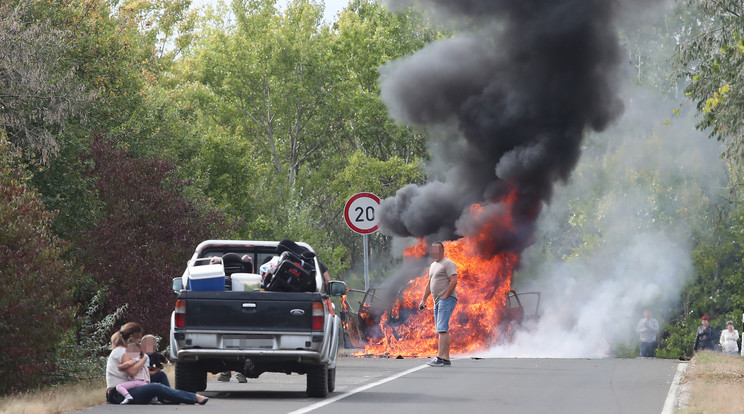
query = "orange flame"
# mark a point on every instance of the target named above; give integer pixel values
(482, 284)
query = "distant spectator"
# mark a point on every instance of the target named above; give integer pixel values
(729, 338)
(704, 339)
(647, 329)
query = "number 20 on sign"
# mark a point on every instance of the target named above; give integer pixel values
(361, 213)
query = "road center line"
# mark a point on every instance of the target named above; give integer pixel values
(673, 394)
(355, 391)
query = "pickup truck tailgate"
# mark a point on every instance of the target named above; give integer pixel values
(249, 311)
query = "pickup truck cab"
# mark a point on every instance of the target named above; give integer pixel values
(246, 328)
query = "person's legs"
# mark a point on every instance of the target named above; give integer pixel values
(124, 388)
(145, 393)
(444, 346)
(647, 349)
(442, 312)
(160, 378)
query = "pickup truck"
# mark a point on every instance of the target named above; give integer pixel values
(250, 329)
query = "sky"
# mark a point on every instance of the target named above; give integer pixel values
(332, 6)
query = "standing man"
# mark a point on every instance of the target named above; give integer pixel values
(648, 327)
(441, 286)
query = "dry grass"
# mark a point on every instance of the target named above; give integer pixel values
(713, 383)
(62, 399)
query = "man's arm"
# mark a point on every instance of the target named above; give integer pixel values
(427, 292)
(451, 286)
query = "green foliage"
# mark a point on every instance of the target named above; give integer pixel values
(39, 90)
(297, 125)
(81, 353)
(35, 281)
(145, 232)
(710, 56)
(369, 36)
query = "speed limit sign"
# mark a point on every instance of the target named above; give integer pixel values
(360, 213)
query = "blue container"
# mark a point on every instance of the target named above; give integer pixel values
(210, 283)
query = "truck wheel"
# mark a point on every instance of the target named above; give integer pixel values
(190, 377)
(317, 381)
(331, 379)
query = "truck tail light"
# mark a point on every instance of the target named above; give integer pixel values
(180, 314)
(318, 316)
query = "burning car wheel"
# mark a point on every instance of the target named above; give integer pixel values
(317, 381)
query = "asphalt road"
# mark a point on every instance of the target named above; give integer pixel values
(391, 386)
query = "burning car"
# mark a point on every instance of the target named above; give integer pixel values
(387, 320)
(520, 311)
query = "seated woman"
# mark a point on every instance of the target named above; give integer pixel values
(145, 393)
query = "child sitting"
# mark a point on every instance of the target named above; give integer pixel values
(132, 356)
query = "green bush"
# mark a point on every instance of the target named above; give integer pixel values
(34, 281)
(82, 352)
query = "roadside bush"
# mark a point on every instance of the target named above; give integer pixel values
(34, 280)
(82, 352)
(145, 232)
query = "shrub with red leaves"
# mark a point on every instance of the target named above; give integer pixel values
(34, 281)
(146, 231)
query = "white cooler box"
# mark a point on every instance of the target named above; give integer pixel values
(245, 281)
(206, 277)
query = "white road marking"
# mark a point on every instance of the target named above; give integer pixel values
(673, 394)
(355, 391)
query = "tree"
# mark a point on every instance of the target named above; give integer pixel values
(271, 79)
(35, 281)
(39, 88)
(145, 232)
(710, 56)
(369, 36)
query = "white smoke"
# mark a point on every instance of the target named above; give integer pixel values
(640, 255)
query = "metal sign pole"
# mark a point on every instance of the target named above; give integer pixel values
(366, 263)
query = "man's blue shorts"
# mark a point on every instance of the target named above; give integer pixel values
(442, 311)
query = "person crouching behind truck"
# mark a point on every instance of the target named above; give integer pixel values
(441, 286)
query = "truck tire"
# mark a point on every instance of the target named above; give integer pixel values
(190, 377)
(317, 381)
(331, 379)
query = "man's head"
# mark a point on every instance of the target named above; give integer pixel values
(704, 320)
(647, 313)
(436, 250)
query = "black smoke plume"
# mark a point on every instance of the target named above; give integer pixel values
(522, 87)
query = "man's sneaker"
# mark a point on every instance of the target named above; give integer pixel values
(224, 377)
(436, 362)
(447, 362)
(127, 399)
(241, 378)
